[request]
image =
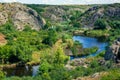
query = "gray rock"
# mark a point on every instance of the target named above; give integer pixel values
(3, 17)
(95, 75)
(21, 16)
(113, 52)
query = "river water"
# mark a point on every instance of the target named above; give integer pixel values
(22, 71)
(87, 42)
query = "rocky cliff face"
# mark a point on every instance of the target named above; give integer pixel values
(20, 15)
(113, 52)
(85, 15)
(106, 12)
(59, 13)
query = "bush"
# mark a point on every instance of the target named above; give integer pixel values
(115, 24)
(100, 24)
(2, 75)
(101, 54)
(112, 75)
(51, 38)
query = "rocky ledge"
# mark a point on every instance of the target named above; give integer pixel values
(20, 15)
(113, 52)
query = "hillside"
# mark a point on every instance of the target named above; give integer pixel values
(109, 13)
(20, 16)
(83, 15)
(60, 13)
(59, 42)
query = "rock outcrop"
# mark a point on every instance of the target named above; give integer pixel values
(72, 64)
(95, 76)
(3, 41)
(106, 12)
(20, 15)
(113, 52)
(60, 13)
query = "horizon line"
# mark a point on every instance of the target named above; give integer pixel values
(61, 4)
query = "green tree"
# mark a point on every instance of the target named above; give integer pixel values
(51, 38)
(60, 57)
(4, 53)
(47, 25)
(115, 24)
(100, 24)
(27, 28)
(45, 67)
(2, 75)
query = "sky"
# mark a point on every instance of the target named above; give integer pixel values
(64, 1)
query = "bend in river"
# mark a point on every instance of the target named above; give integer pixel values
(88, 42)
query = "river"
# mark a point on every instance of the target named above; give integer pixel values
(87, 42)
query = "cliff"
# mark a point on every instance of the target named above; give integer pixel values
(20, 15)
(113, 52)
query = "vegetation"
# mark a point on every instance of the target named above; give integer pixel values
(100, 24)
(48, 45)
(21, 45)
(112, 75)
(78, 50)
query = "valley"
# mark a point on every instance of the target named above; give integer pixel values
(59, 42)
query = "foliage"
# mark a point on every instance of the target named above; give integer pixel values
(52, 61)
(112, 75)
(65, 37)
(74, 17)
(92, 68)
(27, 28)
(37, 8)
(115, 24)
(2, 75)
(100, 24)
(47, 25)
(51, 38)
(114, 34)
(21, 44)
(101, 35)
(77, 50)
(101, 54)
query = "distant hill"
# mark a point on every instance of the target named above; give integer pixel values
(59, 13)
(108, 13)
(85, 15)
(36, 16)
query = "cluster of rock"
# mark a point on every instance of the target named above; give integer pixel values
(61, 13)
(72, 64)
(20, 15)
(96, 76)
(113, 52)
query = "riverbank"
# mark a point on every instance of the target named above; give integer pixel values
(101, 35)
(14, 65)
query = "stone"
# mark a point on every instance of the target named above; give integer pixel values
(21, 16)
(113, 52)
(95, 75)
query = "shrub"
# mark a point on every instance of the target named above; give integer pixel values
(2, 75)
(115, 24)
(100, 24)
(112, 75)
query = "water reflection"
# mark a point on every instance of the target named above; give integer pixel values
(22, 71)
(88, 42)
